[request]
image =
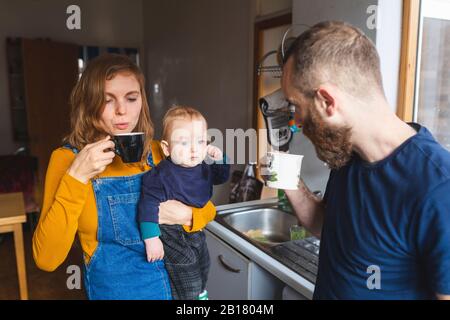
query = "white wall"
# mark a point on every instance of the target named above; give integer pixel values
(388, 42)
(387, 35)
(103, 23)
(199, 53)
(268, 7)
(353, 11)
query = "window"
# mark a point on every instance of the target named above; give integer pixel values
(432, 92)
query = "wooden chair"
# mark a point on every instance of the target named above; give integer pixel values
(18, 173)
(12, 215)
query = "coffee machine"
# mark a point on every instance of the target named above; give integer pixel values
(278, 115)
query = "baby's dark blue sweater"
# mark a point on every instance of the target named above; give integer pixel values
(168, 181)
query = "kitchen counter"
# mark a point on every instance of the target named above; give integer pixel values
(293, 262)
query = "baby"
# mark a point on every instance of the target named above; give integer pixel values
(182, 176)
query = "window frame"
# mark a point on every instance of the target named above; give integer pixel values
(409, 78)
(408, 60)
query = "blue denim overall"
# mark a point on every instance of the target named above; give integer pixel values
(118, 269)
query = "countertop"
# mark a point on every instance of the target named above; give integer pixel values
(293, 262)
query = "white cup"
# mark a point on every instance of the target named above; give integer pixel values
(284, 170)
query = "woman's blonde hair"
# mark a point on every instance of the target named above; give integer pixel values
(179, 113)
(87, 101)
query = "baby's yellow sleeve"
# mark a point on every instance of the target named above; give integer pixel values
(201, 217)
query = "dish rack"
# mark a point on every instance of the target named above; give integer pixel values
(286, 42)
(275, 70)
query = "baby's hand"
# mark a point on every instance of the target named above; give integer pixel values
(154, 249)
(214, 153)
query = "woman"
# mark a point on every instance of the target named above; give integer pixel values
(89, 191)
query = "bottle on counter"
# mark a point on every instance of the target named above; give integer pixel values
(283, 201)
(249, 187)
(250, 170)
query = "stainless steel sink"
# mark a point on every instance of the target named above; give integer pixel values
(268, 226)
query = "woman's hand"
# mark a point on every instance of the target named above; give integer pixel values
(92, 160)
(175, 212)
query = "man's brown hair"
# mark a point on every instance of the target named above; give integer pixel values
(339, 53)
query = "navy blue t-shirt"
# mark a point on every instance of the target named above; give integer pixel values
(386, 232)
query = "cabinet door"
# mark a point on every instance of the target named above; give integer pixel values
(50, 72)
(291, 294)
(263, 285)
(228, 275)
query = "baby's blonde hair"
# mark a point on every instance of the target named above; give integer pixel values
(179, 113)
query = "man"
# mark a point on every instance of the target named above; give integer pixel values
(384, 222)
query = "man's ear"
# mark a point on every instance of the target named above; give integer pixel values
(165, 147)
(326, 97)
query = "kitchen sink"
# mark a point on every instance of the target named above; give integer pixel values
(268, 226)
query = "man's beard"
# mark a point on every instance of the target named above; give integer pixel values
(332, 145)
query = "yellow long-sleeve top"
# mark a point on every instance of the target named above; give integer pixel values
(69, 208)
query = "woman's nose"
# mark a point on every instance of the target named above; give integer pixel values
(120, 108)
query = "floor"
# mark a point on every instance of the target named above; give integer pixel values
(41, 284)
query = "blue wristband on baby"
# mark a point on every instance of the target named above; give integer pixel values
(224, 160)
(149, 230)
